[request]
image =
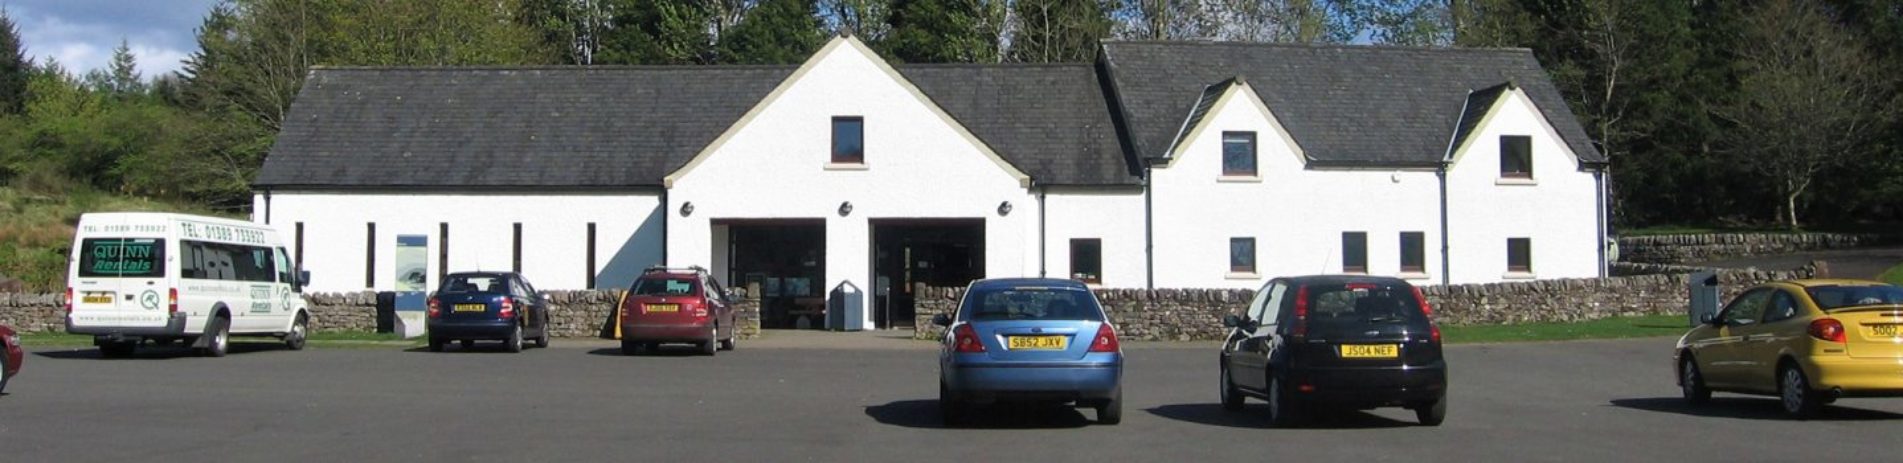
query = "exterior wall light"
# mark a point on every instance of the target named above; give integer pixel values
(1004, 208)
(687, 208)
(845, 208)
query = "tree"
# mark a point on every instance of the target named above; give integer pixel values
(121, 78)
(15, 67)
(945, 31)
(657, 32)
(773, 32)
(570, 28)
(870, 20)
(1808, 100)
(1056, 31)
(1161, 20)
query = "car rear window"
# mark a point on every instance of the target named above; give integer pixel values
(122, 257)
(666, 287)
(1837, 297)
(1031, 304)
(1351, 305)
(475, 284)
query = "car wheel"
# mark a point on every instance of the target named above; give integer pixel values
(1794, 389)
(436, 344)
(630, 348)
(118, 350)
(711, 346)
(299, 333)
(514, 343)
(468, 344)
(1432, 414)
(949, 410)
(732, 342)
(1231, 398)
(541, 340)
(218, 341)
(1691, 382)
(1111, 411)
(1283, 412)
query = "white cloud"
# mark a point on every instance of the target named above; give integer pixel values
(81, 34)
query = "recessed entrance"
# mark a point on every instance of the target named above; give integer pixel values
(785, 262)
(906, 252)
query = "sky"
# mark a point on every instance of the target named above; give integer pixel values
(81, 34)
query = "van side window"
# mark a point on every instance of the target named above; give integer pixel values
(284, 267)
(228, 262)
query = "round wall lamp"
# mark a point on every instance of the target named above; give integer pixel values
(845, 208)
(687, 208)
(1004, 208)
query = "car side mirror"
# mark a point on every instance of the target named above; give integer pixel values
(941, 320)
(1231, 321)
(727, 293)
(303, 278)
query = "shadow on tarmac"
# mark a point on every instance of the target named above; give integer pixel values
(1748, 408)
(172, 351)
(663, 351)
(924, 414)
(1256, 416)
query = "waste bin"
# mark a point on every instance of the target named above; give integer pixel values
(845, 308)
(386, 312)
(1704, 296)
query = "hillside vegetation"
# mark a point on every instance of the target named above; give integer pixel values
(36, 230)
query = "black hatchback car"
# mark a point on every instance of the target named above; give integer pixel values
(1339, 342)
(487, 306)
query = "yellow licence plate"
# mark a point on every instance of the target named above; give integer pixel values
(472, 307)
(1370, 351)
(98, 298)
(1037, 342)
(652, 308)
(1888, 331)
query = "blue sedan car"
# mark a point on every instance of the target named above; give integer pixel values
(1036, 340)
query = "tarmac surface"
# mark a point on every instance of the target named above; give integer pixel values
(862, 397)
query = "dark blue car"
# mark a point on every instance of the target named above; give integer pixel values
(487, 306)
(1033, 340)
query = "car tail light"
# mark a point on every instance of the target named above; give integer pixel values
(699, 310)
(1433, 331)
(1106, 340)
(1828, 329)
(508, 308)
(435, 307)
(171, 301)
(1426, 309)
(1300, 328)
(69, 300)
(965, 340)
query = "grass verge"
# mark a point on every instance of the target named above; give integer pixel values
(1892, 276)
(1608, 328)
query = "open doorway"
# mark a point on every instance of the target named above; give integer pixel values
(784, 261)
(906, 252)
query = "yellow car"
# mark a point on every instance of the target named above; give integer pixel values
(1808, 342)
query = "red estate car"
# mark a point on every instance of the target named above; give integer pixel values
(9, 363)
(682, 306)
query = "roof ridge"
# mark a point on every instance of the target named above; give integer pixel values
(561, 67)
(1355, 46)
(994, 65)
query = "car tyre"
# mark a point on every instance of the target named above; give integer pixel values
(541, 340)
(949, 410)
(1231, 397)
(630, 348)
(732, 342)
(1283, 411)
(1691, 382)
(118, 350)
(218, 340)
(711, 346)
(1795, 393)
(300, 333)
(436, 344)
(514, 343)
(468, 344)
(1110, 412)
(1432, 414)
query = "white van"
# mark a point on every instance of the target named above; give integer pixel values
(167, 278)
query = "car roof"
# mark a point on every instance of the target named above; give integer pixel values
(485, 274)
(1340, 279)
(1816, 282)
(997, 283)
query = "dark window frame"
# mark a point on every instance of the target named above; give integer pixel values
(841, 157)
(442, 251)
(1354, 252)
(370, 255)
(1254, 157)
(591, 256)
(1236, 266)
(1524, 248)
(1516, 149)
(1415, 261)
(515, 262)
(1095, 276)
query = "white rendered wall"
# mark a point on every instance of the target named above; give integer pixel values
(917, 166)
(1558, 211)
(554, 234)
(1112, 215)
(1296, 215)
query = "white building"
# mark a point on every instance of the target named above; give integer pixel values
(1160, 165)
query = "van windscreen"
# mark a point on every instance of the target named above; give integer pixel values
(122, 257)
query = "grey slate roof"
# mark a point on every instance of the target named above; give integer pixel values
(1347, 105)
(528, 127)
(1477, 105)
(1204, 102)
(1050, 121)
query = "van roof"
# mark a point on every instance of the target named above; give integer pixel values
(165, 216)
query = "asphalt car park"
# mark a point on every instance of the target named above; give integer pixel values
(863, 397)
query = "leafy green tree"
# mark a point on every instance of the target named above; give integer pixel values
(15, 67)
(657, 32)
(571, 29)
(945, 31)
(121, 77)
(773, 32)
(1052, 31)
(869, 20)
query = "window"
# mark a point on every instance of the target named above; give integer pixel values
(1030, 304)
(1354, 252)
(1242, 255)
(1520, 255)
(122, 257)
(1516, 156)
(849, 140)
(1746, 309)
(370, 255)
(202, 260)
(1238, 154)
(284, 267)
(666, 286)
(1782, 307)
(516, 262)
(1413, 252)
(1086, 260)
(1268, 303)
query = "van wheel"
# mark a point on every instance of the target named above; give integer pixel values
(218, 339)
(514, 343)
(299, 332)
(118, 350)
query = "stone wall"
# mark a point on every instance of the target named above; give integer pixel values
(1196, 314)
(571, 313)
(1679, 249)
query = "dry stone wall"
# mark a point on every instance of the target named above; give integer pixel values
(1679, 249)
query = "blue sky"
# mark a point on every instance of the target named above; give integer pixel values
(82, 33)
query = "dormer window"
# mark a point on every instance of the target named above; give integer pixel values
(1516, 156)
(1238, 154)
(849, 140)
